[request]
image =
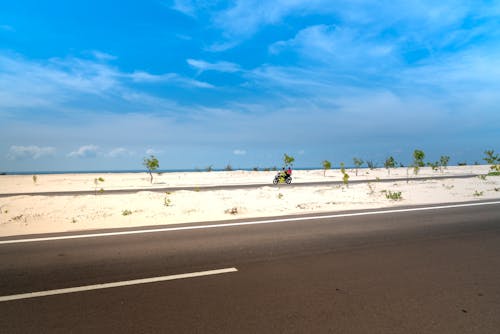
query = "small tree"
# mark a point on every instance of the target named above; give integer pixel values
(326, 165)
(433, 165)
(443, 162)
(418, 160)
(372, 165)
(288, 160)
(345, 176)
(493, 159)
(389, 163)
(151, 164)
(357, 162)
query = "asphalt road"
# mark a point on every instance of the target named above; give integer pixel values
(427, 271)
(233, 186)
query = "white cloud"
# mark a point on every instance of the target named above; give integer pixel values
(426, 21)
(239, 152)
(86, 151)
(144, 77)
(152, 151)
(140, 76)
(194, 83)
(103, 55)
(56, 83)
(337, 45)
(221, 46)
(246, 17)
(120, 152)
(186, 7)
(53, 82)
(30, 152)
(221, 66)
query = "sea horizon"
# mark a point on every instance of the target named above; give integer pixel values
(123, 171)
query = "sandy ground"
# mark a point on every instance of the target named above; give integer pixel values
(46, 214)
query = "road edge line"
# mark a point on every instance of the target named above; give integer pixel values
(254, 222)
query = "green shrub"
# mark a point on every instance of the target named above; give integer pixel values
(126, 212)
(98, 180)
(166, 200)
(395, 196)
(345, 179)
(345, 176)
(493, 159)
(433, 165)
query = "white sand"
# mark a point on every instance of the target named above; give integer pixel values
(45, 214)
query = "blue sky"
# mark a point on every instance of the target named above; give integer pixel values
(89, 85)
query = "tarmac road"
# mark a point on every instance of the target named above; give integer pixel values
(396, 271)
(233, 186)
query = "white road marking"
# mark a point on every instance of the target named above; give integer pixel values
(115, 284)
(257, 222)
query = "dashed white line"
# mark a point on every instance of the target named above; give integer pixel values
(115, 284)
(256, 222)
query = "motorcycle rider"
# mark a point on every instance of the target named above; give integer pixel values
(286, 173)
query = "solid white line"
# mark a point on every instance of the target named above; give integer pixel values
(257, 222)
(115, 284)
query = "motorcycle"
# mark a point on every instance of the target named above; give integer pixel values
(282, 178)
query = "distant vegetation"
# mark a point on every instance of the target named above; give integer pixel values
(444, 161)
(418, 160)
(389, 163)
(288, 160)
(494, 161)
(326, 165)
(98, 181)
(371, 164)
(345, 176)
(357, 162)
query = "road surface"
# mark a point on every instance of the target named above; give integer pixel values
(233, 186)
(396, 271)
